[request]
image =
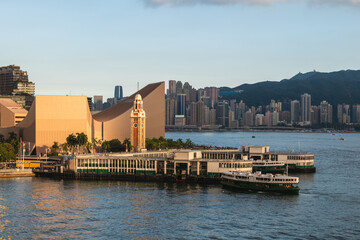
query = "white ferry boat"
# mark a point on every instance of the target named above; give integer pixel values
(297, 162)
(268, 166)
(260, 182)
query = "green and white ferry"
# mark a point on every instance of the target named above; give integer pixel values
(267, 166)
(296, 161)
(260, 182)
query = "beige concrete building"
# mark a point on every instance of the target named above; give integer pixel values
(53, 118)
(11, 113)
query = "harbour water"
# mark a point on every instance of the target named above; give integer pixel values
(328, 206)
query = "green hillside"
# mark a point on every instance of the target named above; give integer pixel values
(335, 87)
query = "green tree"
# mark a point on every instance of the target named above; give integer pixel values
(189, 143)
(116, 146)
(180, 143)
(2, 138)
(65, 147)
(128, 144)
(81, 139)
(13, 141)
(7, 152)
(105, 146)
(54, 151)
(149, 144)
(71, 140)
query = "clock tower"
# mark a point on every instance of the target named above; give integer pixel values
(137, 138)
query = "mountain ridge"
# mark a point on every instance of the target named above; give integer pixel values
(335, 87)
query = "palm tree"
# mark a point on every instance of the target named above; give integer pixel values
(71, 141)
(65, 147)
(105, 146)
(189, 143)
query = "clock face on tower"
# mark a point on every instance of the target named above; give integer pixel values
(135, 125)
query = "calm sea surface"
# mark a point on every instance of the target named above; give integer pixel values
(328, 206)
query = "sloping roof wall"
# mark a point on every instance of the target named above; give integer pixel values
(126, 104)
(115, 121)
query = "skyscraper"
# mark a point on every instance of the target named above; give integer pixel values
(306, 107)
(98, 103)
(172, 88)
(222, 113)
(325, 112)
(356, 113)
(343, 113)
(89, 99)
(170, 111)
(179, 87)
(118, 95)
(295, 109)
(181, 104)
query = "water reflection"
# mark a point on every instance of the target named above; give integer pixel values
(3, 221)
(59, 206)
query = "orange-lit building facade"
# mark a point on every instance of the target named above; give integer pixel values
(53, 118)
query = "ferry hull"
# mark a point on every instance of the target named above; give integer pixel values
(302, 169)
(273, 170)
(256, 187)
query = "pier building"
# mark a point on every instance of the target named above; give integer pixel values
(297, 162)
(181, 163)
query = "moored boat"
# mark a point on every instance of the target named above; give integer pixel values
(267, 166)
(260, 182)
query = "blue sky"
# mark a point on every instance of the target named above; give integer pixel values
(87, 47)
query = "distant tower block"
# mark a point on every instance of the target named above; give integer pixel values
(138, 125)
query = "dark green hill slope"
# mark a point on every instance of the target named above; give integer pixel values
(335, 87)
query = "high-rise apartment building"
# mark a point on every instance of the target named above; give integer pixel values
(249, 118)
(179, 87)
(213, 93)
(356, 113)
(295, 109)
(172, 89)
(181, 104)
(192, 114)
(98, 103)
(315, 115)
(306, 108)
(325, 112)
(186, 90)
(170, 111)
(343, 113)
(200, 113)
(222, 112)
(118, 94)
(15, 81)
(90, 103)
(14, 84)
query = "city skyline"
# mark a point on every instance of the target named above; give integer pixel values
(213, 43)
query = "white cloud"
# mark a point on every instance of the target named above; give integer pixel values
(248, 2)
